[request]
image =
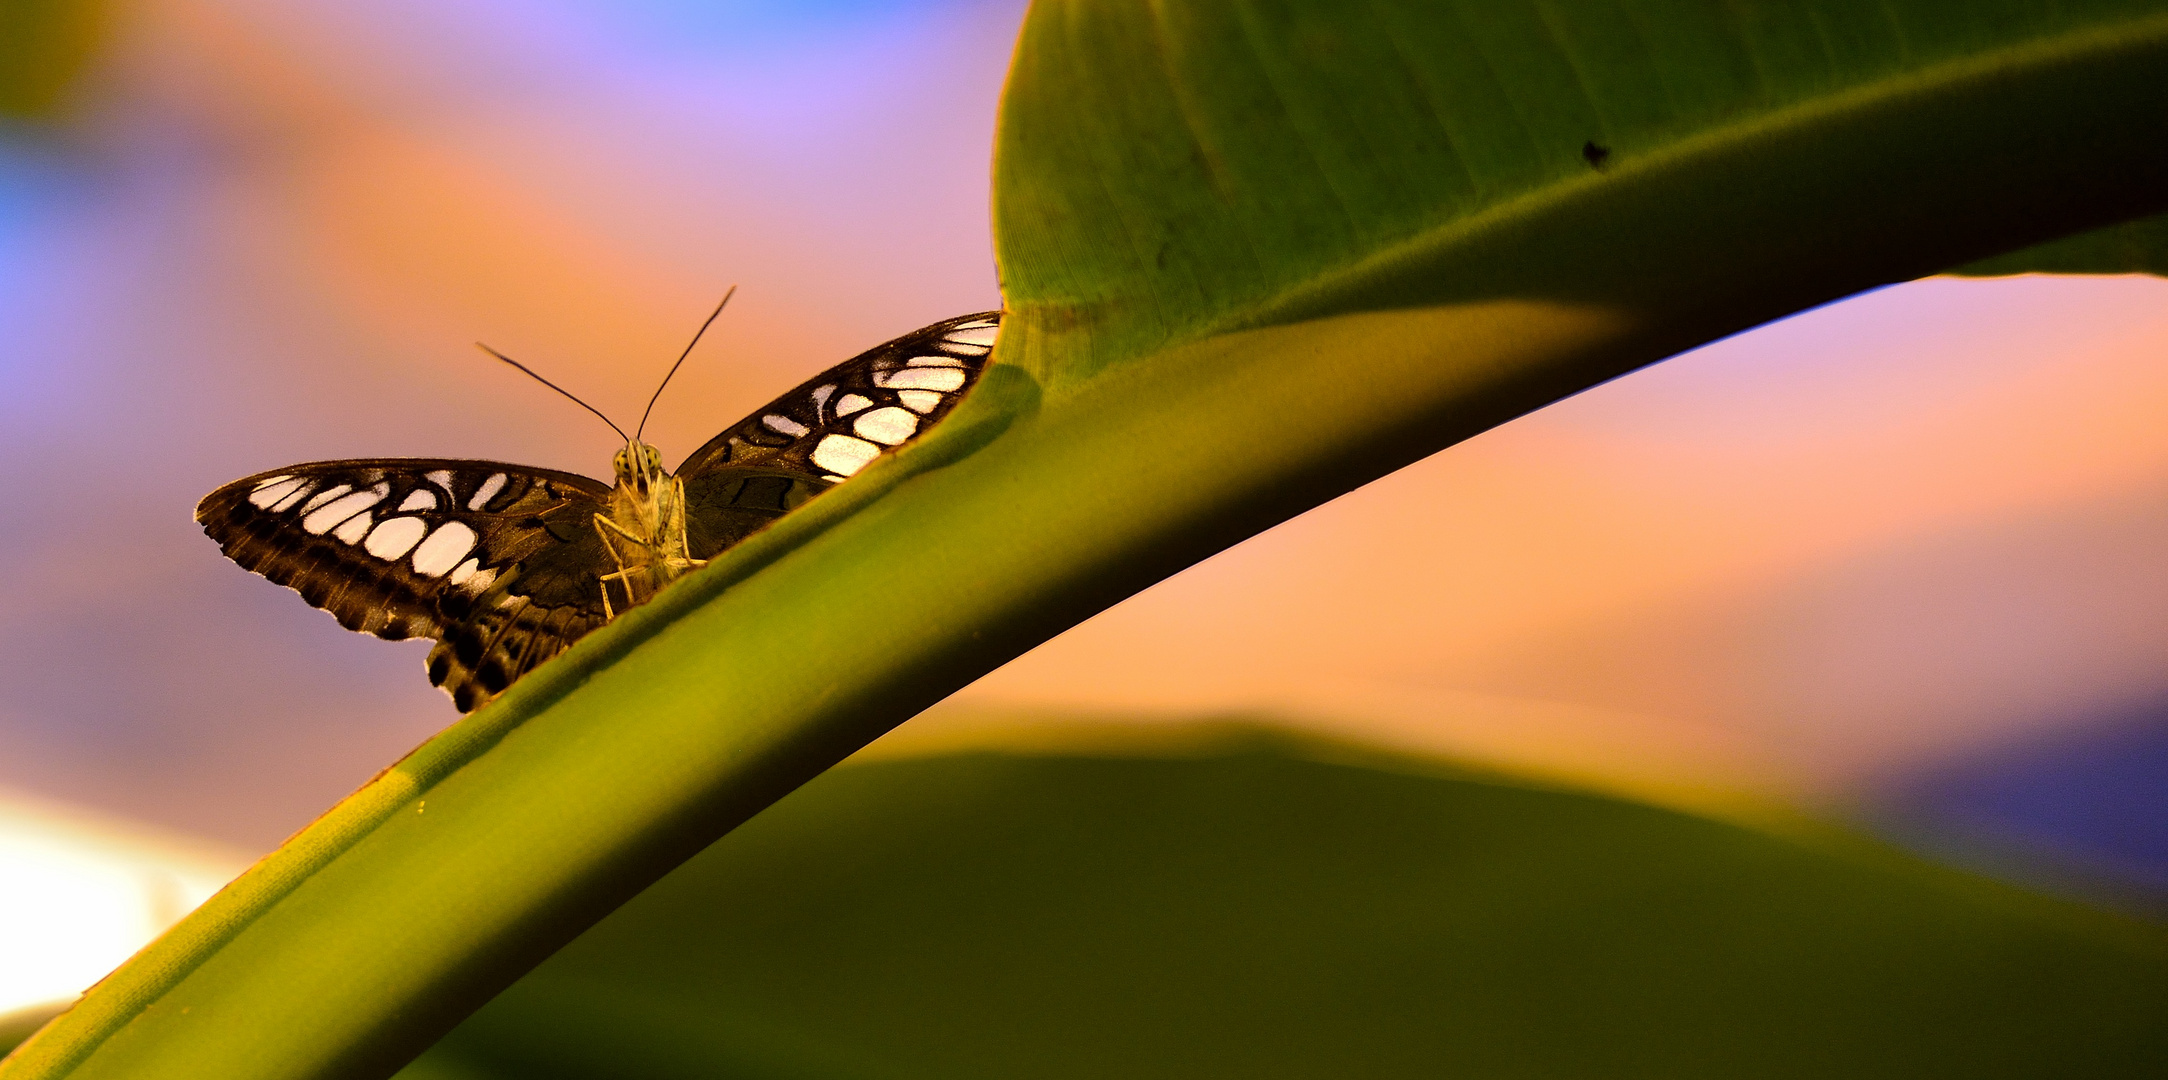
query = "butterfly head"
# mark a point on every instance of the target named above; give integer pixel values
(639, 466)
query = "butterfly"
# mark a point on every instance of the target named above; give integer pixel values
(506, 566)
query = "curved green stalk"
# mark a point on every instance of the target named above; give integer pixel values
(1256, 255)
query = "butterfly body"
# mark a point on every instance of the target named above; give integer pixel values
(507, 565)
(644, 530)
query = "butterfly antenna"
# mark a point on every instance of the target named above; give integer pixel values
(575, 399)
(681, 359)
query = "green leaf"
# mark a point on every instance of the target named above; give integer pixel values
(1189, 168)
(1256, 254)
(2136, 247)
(1249, 913)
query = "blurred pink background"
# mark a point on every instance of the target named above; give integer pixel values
(1899, 557)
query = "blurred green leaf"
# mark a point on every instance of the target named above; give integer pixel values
(44, 45)
(1258, 915)
(1256, 253)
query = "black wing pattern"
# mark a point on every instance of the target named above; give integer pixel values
(503, 565)
(497, 562)
(828, 428)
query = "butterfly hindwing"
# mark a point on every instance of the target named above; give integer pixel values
(497, 562)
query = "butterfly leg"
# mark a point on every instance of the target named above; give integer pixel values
(683, 561)
(603, 527)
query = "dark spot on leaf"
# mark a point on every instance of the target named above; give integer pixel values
(1595, 155)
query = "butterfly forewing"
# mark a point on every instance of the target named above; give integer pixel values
(829, 427)
(504, 565)
(467, 552)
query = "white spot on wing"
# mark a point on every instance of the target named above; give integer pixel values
(921, 378)
(973, 335)
(922, 400)
(441, 478)
(288, 502)
(467, 571)
(887, 424)
(396, 537)
(820, 396)
(419, 499)
(844, 455)
(323, 497)
(321, 520)
(851, 403)
(783, 425)
(352, 529)
(934, 361)
(486, 492)
(275, 489)
(443, 549)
